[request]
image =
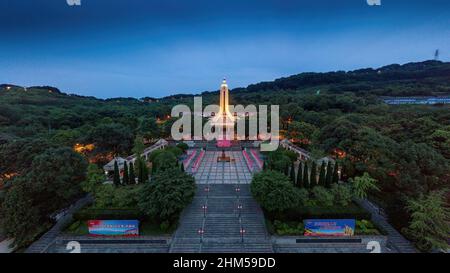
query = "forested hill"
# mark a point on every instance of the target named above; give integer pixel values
(423, 78)
(426, 78)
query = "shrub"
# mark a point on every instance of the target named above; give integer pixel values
(108, 196)
(288, 228)
(314, 212)
(279, 159)
(183, 146)
(167, 195)
(108, 214)
(303, 197)
(176, 151)
(342, 194)
(164, 161)
(366, 227)
(322, 196)
(274, 191)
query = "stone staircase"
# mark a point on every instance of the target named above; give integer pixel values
(222, 223)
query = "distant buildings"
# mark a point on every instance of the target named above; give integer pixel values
(416, 100)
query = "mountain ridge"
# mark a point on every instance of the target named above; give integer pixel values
(393, 72)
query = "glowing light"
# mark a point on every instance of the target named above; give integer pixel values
(81, 148)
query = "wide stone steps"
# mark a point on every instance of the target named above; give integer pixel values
(222, 225)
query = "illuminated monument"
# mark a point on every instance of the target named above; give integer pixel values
(224, 120)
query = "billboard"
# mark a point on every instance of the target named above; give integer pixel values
(113, 227)
(330, 227)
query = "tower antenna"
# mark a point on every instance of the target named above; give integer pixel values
(436, 55)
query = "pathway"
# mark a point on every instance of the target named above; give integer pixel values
(41, 245)
(395, 239)
(223, 216)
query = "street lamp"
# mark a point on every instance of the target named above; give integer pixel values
(240, 209)
(204, 207)
(207, 190)
(201, 232)
(242, 231)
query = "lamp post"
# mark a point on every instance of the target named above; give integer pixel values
(204, 207)
(240, 209)
(242, 231)
(201, 232)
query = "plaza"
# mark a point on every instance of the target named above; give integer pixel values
(213, 172)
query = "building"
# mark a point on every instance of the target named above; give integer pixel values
(416, 100)
(109, 168)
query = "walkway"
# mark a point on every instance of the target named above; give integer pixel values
(395, 239)
(213, 172)
(41, 245)
(223, 217)
(5, 246)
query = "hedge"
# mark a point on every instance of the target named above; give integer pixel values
(108, 214)
(351, 212)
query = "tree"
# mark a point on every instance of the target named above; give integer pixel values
(286, 169)
(292, 173)
(322, 177)
(139, 146)
(183, 146)
(299, 183)
(116, 176)
(52, 182)
(274, 191)
(322, 196)
(132, 178)
(329, 177)
(429, 225)
(335, 178)
(111, 137)
(363, 184)
(342, 194)
(313, 178)
(94, 178)
(164, 160)
(148, 128)
(21, 218)
(169, 193)
(125, 178)
(306, 182)
(182, 167)
(142, 171)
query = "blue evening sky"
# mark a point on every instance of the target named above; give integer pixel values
(136, 48)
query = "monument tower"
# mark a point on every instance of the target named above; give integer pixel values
(224, 120)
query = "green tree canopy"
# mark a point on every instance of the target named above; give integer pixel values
(273, 191)
(169, 193)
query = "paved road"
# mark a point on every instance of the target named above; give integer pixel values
(4, 246)
(395, 239)
(41, 245)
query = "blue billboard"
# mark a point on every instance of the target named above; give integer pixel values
(113, 227)
(330, 227)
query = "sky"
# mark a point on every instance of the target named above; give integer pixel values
(155, 48)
